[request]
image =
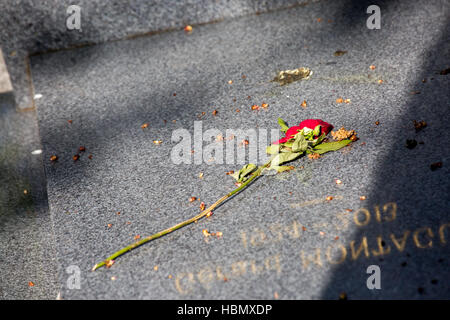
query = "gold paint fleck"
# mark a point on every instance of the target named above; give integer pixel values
(289, 76)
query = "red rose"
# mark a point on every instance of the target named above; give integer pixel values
(310, 124)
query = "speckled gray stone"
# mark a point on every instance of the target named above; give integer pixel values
(29, 27)
(28, 250)
(110, 90)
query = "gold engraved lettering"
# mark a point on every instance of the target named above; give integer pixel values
(255, 268)
(273, 263)
(366, 220)
(382, 250)
(205, 276)
(295, 234)
(362, 246)
(307, 259)
(393, 211)
(400, 245)
(416, 237)
(343, 217)
(244, 239)
(441, 232)
(278, 231)
(239, 268)
(178, 280)
(330, 256)
(257, 238)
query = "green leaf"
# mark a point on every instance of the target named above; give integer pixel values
(245, 171)
(330, 146)
(316, 131)
(283, 125)
(283, 158)
(273, 149)
(282, 168)
(300, 144)
(318, 140)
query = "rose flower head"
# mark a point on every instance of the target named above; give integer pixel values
(307, 126)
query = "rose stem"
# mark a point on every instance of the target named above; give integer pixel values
(256, 174)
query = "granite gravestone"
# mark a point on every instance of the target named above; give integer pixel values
(295, 235)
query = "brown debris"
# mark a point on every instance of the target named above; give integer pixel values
(419, 125)
(444, 72)
(342, 134)
(436, 165)
(339, 53)
(109, 263)
(314, 156)
(343, 296)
